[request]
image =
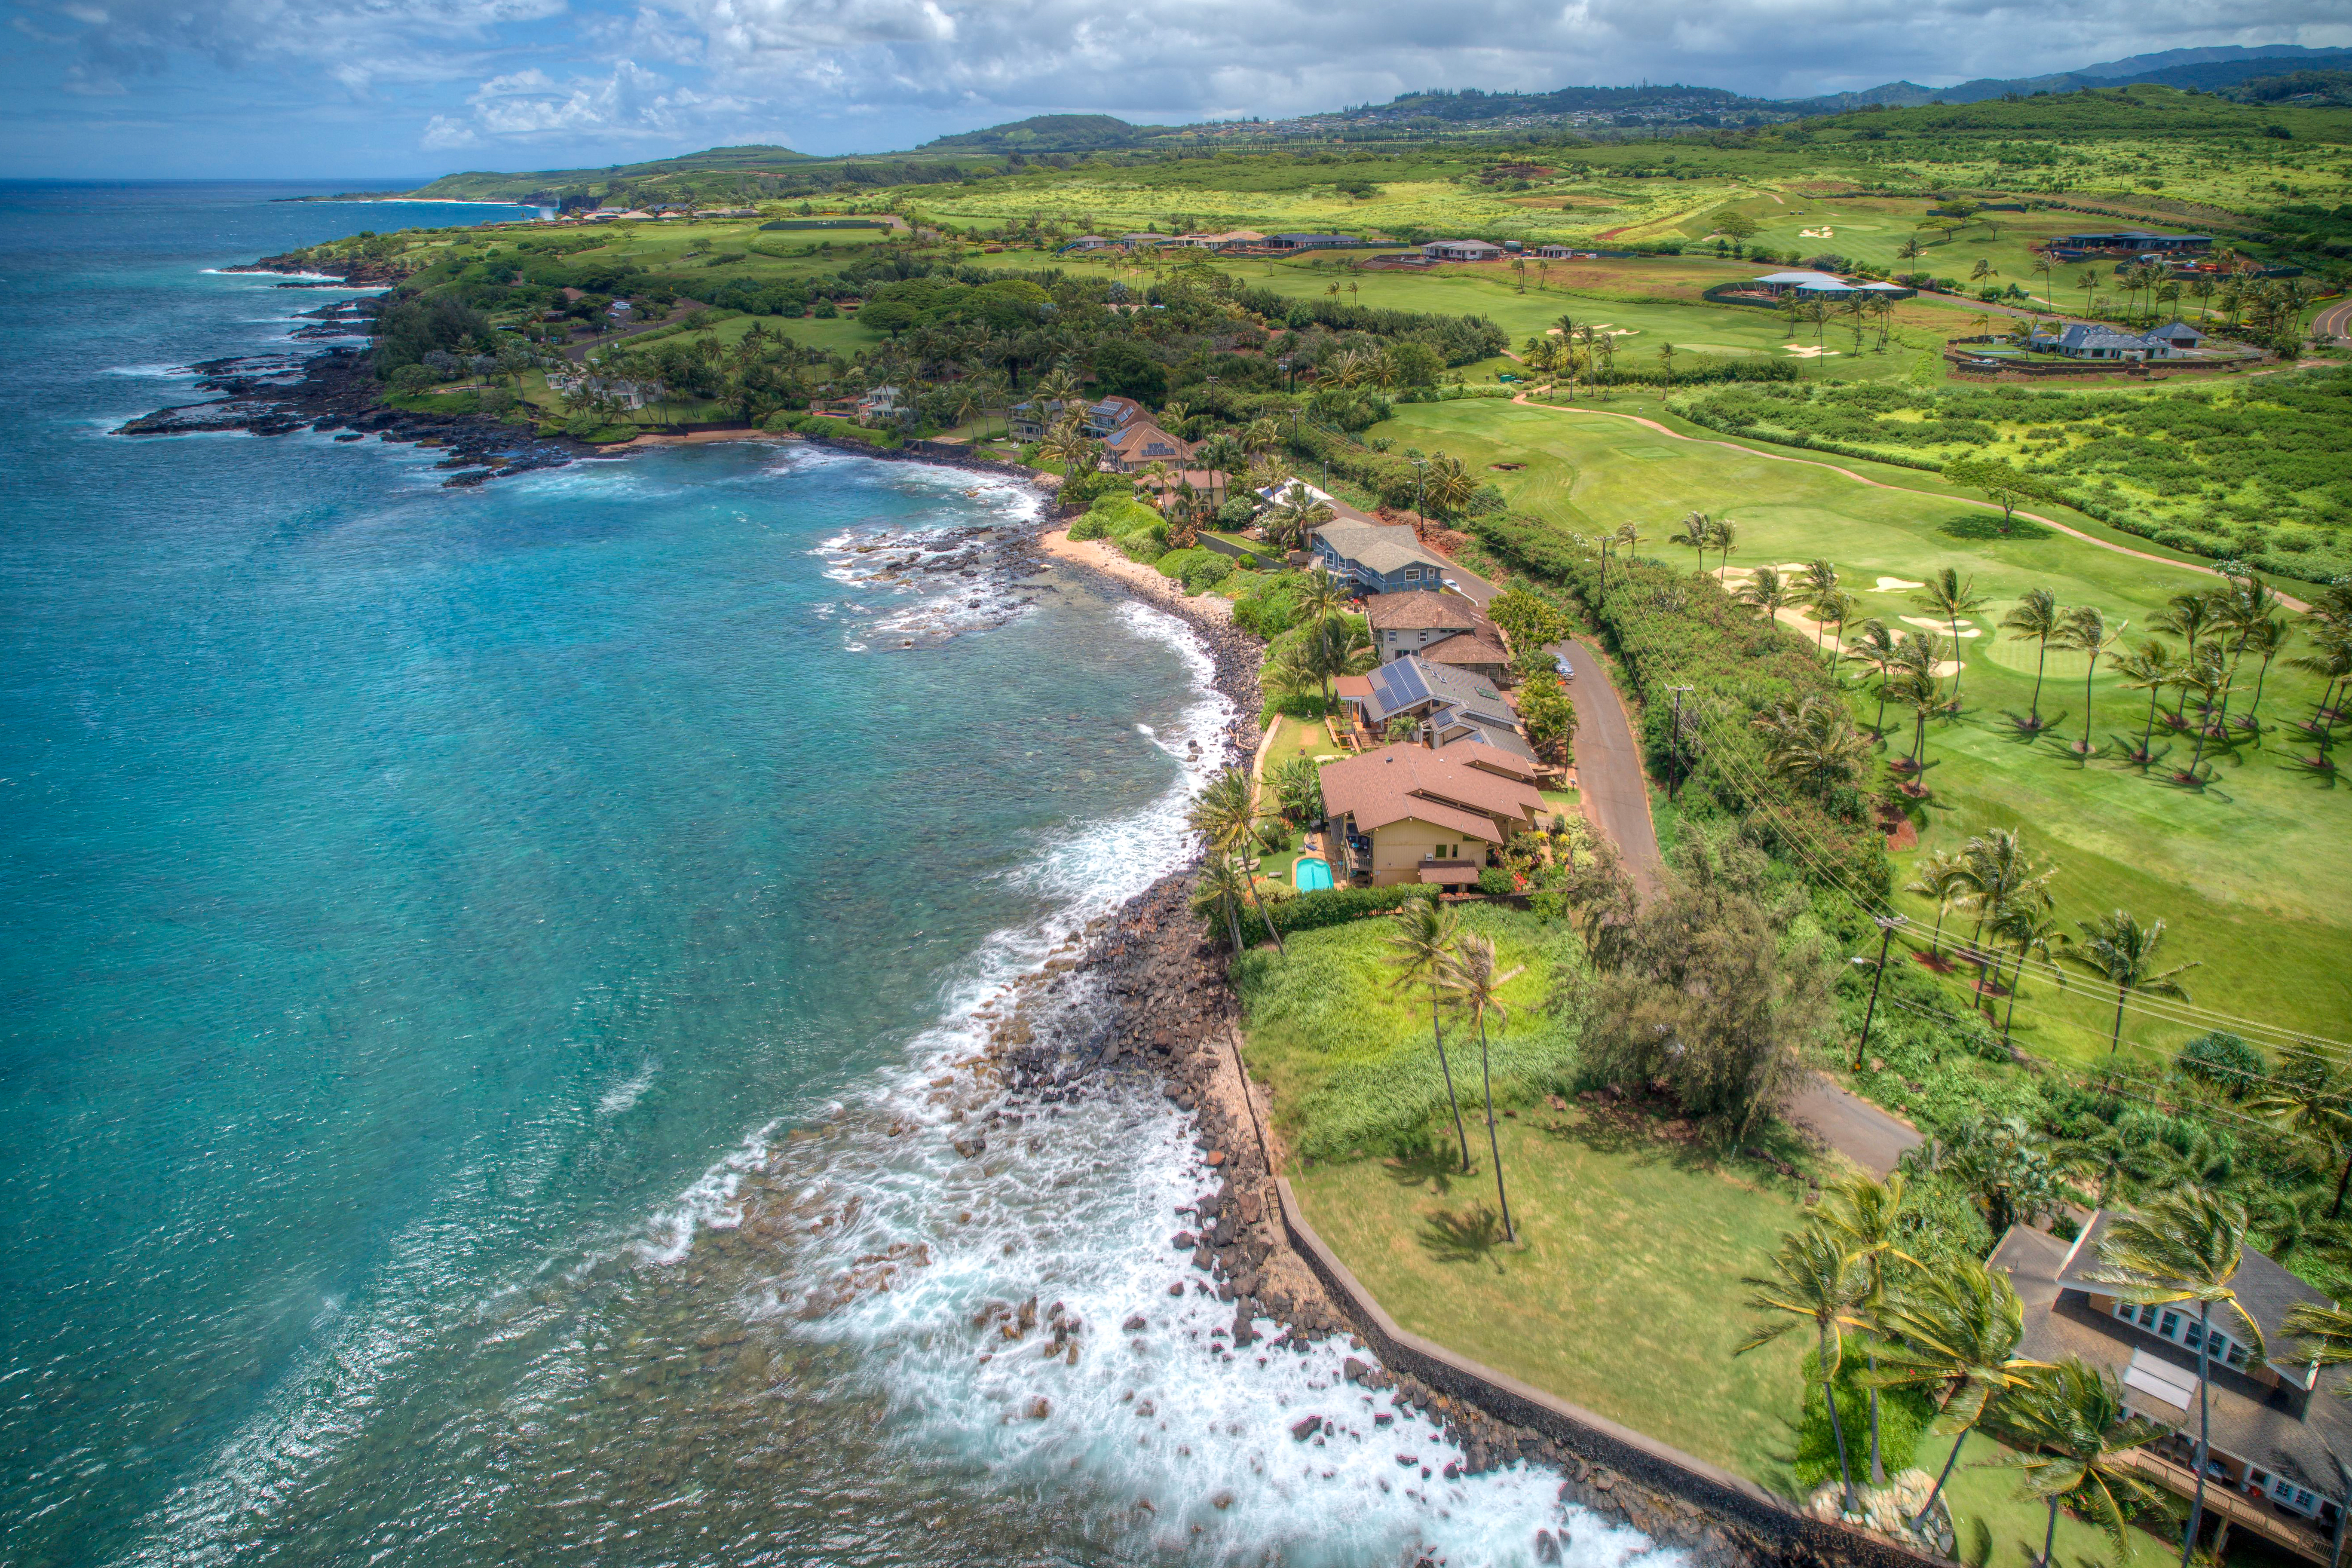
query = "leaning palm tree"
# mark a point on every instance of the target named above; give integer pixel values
(2185, 1244)
(1955, 1327)
(2032, 929)
(1813, 1279)
(2035, 619)
(1219, 890)
(1867, 1216)
(1698, 530)
(1951, 597)
(1473, 986)
(1816, 583)
(2149, 668)
(1874, 646)
(1225, 813)
(2122, 951)
(2073, 1434)
(1943, 878)
(1420, 943)
(2086, 632)
(2190, 616)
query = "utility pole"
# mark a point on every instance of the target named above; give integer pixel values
(1886, 925)
(1675, 746)
(1420, 473)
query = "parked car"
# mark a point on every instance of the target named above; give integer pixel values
(1566, 670)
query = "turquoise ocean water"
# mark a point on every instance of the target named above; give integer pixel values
(422, 910)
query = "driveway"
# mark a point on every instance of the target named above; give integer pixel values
(1870, 1137)
(1615, 795)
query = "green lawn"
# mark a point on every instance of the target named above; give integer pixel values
(2249, 873)
(1623, 1293)
(1982, 1493)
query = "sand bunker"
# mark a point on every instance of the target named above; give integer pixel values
(1944, 627)
(1807, 352)
(1893, 585)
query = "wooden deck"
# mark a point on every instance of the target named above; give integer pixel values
(2228, 1504)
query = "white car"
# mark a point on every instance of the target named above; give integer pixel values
(1566, 670)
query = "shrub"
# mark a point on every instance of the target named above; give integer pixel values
(1903, 1416)
(1496, 882)
(2222, 1060)
(1144, 545)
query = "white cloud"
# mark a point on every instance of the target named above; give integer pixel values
(632, 104)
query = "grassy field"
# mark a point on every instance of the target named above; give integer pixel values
(1623, 1293)
(2247, 873)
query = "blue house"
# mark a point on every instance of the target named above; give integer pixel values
(1376, 558)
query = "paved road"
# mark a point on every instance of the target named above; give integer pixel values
(1609, 766)
(2335, 322)
(1870, 1137)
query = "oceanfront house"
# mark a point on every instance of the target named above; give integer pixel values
(877, 404)
(1142, 444)
(1378, 558)
(1462, 250)
(2279, 1424)
(2132, 241)
(2080, 341)
(1442, 627)
(1030, 421)
(1408, 813)
(1444, 706)
(1311, 242)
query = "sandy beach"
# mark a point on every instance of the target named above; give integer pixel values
(1105, 557)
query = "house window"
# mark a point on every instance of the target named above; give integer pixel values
(2170, 1327)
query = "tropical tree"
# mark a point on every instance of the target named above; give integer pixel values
(1475, 989)
(1866, 1215)
(1943, 878)
(1951, 597)
(2032, 929)
(1767, 591)
(2188, 617)
(1817, 584)
(1814, 744)
(1918, 690)
(1420, 943)
(2149, 668)
(2035, 619)
(2185, 1245)
(1813, 1279)
(1727, 536)
(2086, 631)
(1225, 814)
(1876, 645)
(1955, 1327)
(2000, 874)
(1698, 531)
(2265, 638)
(2075, 1435)
(2310, 1096)
(1219, 890)
(2119, 950)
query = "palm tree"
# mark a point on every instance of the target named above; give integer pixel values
(1421, 944)
(1225, 813)
(1817, 583)
(2121, 950)
(1068, 444)
(1874, 646)
(1917, 690)
(1814, 744)
(1767, 591)
(2266, 638)
(2034, 929)
(1219, 890)
(1867, 1216)
(2086, 631)
(1944, 880)
(2311, 1097)
(2149, 668)
(1955, 1327)
(1727, 536)
(2330, 658)
(1813, 1279)
(2003, 873)
(1951, 595)
(2185, 1244)
(1472, 986)
(1697, 531)
(2077, 1432)
(2035, 619)
(2188, 617)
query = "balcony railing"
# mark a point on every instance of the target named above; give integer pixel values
(2297, 1535)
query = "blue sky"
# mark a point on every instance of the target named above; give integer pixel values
(396, 89)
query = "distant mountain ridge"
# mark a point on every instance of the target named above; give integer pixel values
(2208, 70)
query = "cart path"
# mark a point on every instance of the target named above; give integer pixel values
(1873, 1137)
(1521, 400)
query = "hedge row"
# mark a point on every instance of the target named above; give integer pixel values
(1672, 628)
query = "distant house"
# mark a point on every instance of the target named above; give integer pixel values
(878, 402)
(1375, 558)
(2078, 341)
(1462, 250)
(1481, 654)
(2138, 240)
(2278, 1424)
(1108, 417)
(1563, 253)
(1446, 705)
(1229, 239)
(1090, 242)
(1405, 624)
(1139, 444)
(1805, 285)
(2179, 335)
(1311, 241)
(1146, 237)
(1409, 814)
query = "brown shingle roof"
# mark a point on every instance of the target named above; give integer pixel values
(1465, 649)
(1411, 611)
(1402, 780)
(1493, 759)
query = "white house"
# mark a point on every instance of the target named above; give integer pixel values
(1462, 250)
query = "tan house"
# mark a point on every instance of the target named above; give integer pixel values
(1142, 444)
(1408, 813)
(2279, 1425)
(1442, 627)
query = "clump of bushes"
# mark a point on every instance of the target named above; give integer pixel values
(1196, 568)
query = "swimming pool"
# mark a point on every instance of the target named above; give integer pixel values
(1311, 875)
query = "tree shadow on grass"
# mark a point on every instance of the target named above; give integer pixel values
(1435, 1170)
(1985, 525)
(1471, 1237)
